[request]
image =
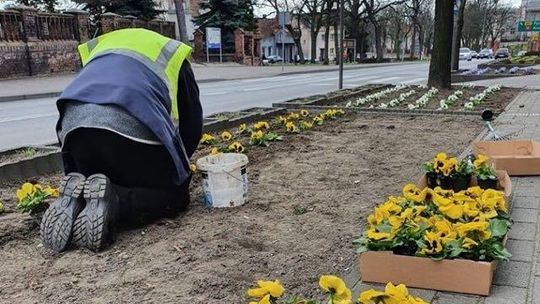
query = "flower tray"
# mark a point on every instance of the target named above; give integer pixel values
(464, 276)
(504, 184)
(518, 157)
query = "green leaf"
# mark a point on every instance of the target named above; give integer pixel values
(384, 227)
(454, 248)
(498, 227)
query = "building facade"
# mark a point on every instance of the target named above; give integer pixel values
(191, 9)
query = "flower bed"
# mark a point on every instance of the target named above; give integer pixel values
(300, 188)
(462, 98)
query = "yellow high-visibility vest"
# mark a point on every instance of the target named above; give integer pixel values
(163, 55)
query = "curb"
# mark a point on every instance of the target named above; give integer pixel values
(29, 96)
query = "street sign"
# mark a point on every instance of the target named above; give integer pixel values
(213, 37)
(529, 26)
(284, 19)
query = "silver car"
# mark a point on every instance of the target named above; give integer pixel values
(465, 54)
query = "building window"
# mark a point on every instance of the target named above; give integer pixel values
(332, 37)
(332, 51)
(512, 31)
(323, 36)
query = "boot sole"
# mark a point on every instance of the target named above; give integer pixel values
(57, 223)
(92, 228)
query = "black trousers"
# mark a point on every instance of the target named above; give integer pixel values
(143, 175)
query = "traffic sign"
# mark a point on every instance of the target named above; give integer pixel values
(529, 26)
(213, 37)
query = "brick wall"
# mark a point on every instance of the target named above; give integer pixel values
(34, 43)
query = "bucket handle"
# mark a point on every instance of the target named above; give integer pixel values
(229, 174)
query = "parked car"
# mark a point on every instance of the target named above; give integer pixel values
(485, 54)
(465, 54)
(474, 54)
(274, 58)
(521, 53)
(502, 53)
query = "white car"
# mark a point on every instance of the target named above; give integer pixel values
(465, 54)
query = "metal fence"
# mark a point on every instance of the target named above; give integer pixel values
(56, 27)
(11, 26)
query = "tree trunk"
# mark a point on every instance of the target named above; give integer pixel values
(313, 35)
(181, 18)
(440, 66)
(326, 43)
(378, 41)
(458, 35)
(413, 43)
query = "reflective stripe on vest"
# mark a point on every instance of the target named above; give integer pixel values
(162, 55)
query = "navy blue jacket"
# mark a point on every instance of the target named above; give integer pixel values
(123, 81)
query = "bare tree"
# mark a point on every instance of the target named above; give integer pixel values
(373, 8)
(313, 16)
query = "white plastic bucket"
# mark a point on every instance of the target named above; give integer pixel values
(225, 182)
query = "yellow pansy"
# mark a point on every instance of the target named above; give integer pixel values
(261, 125)
(376, 235)
(242, 128)
(304, 113)
(226, 135)
(291, 127)
(282, 120)
(26, 190)
(318, 120)
(272, 288)
(448, 166)
(207, 139)
(494, 199)
(264, 300)
(257, 135)
(433, 241)
(481, 226)
(395, 222)
(441, 197)
(470, 208)
(481, 160)
(193, 167)
(340, 112)
(468, 243)
(54, 192)
(293, 116)
(335, 286)
(236, 147)
(214, 151)
(372, 297)
(398, 293)
(412, 193)
(453, 211)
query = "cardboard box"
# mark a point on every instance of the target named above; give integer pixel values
(504, 183)
(517, 157)
(464, 276)
(458, 275)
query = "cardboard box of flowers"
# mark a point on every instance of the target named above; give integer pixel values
(438, 238)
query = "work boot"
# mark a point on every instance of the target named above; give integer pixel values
(57, 223)
(95, 224)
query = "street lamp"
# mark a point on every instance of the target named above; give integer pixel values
(341, 4)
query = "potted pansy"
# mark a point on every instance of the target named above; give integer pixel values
(440, 170)
(462, 175)
(485, 173)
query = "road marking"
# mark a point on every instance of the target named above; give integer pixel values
(27, 117)
(214, 93)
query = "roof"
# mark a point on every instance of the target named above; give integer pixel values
(267, 27)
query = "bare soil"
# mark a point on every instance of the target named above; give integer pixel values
(309, 195)
(496, 102)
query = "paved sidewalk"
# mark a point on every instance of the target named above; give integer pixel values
(531, 82)
(518, 280)
(49, 86)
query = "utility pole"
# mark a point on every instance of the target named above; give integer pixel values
(341, 33)
(181, 18)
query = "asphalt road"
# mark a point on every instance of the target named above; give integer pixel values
(32, 122)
